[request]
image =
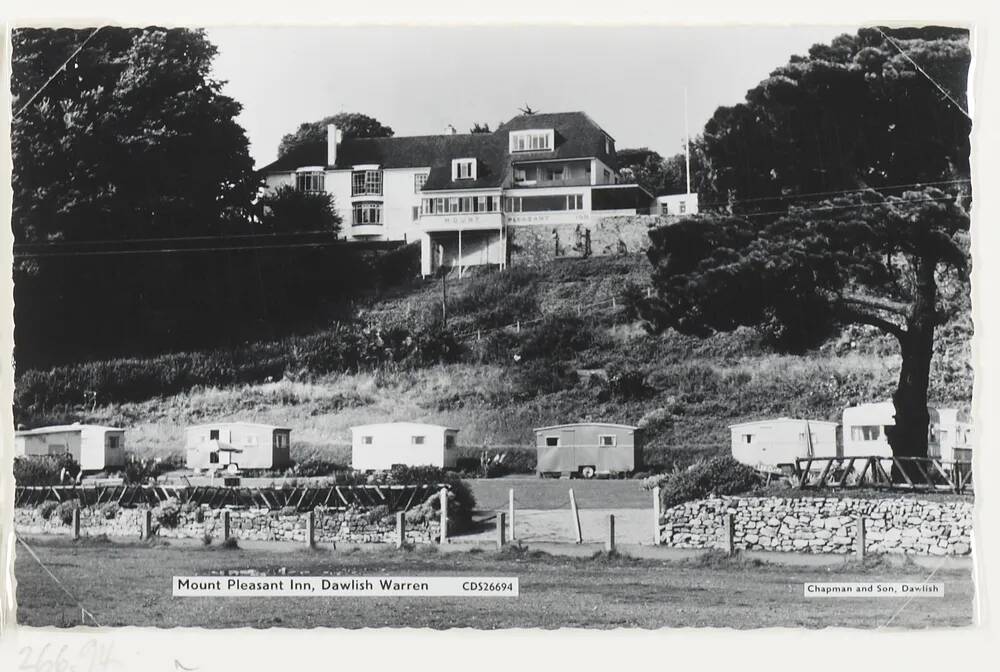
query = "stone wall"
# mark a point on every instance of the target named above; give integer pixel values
(624, 234)
(350, 525)
(823, 525)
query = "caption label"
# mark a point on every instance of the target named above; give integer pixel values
(874, 589)
(345, 586)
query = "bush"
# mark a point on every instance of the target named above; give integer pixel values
(168, 513)
(206, 539)
(46, 508)
(626, 386)
(718, 476)
(64, 511)
(557, 337)
(377, 514)
(230, 543)
(44, 469)
(534, 378)
(109, 510)
(398, 266)
(315, 466)
(435, 344)
(461, 501)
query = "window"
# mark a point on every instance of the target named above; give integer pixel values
(551, 440)
(748, 438)
(213, 435)
(250, 440)
(556, 174)
(366, 183)
(532, 141)
(606, 440)
(113, 442)
(310, 182)
(417, 440)
(544, 203)
(520, 175)
(444, 206)
(416, 212)
(280, 440)
(213, 457)
(419, 180)
(366, 440)
(367, 213)
(607, 176)
(865, 433)
(449, 441)
(463, 169)
(682, 207)
(574, 202)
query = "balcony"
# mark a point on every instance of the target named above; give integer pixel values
(367, 230)
(581, 181)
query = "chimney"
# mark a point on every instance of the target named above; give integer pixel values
(332, 140)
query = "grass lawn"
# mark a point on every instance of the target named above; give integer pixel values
(129, 584)
(531, 492)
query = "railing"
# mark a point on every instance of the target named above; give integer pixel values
(305, 498)
(903, 473)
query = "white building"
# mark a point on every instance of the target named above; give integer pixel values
(954, 435)
(245, 445)
(677, 204)
(383, 445)
(769, 443)
(462, 195)
(864, 430)
(94, 447)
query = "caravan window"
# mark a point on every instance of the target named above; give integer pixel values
(551, 440)
(367, 440)
(747, 438)
(449, 441)
(213, 457)
(113, 442)
(866, 433)
(417, 440)
(606, 440)
(213, 435)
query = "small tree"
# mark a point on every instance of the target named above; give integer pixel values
(287, 210)
(480, 128)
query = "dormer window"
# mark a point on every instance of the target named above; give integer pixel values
(463, 169)
(532, 141)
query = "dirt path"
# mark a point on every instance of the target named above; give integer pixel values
(632, 526)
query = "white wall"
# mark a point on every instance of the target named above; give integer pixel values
(781, 441)
(392, 443)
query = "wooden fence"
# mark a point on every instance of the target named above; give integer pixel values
(895, 473)
(305, 498)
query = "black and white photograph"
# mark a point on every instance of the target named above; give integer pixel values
(493, 327)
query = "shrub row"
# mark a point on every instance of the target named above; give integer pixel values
(45, 469)
(718, 476)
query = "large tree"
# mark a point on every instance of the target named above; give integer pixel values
(351, 124)
(853, 115)
(290, 210)
(132, 139)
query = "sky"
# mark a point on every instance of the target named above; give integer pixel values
(418, 80)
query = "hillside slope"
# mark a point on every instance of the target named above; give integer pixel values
(683, 390)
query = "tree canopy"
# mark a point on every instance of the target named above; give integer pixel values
(351, 125)
(855, 118)
(289, 210)
(132, 139)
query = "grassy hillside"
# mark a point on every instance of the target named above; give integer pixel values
(579, 362)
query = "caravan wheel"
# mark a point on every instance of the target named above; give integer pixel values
(588, 471)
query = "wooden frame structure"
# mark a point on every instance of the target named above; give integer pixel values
(303, 498)
(917, 473)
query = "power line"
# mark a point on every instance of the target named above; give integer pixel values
(924, 73)
(817, 194)
(58, 70)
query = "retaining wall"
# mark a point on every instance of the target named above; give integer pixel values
(623, 234)
(351, 525)
(822, 525)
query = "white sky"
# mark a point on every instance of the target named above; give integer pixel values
(417, 80)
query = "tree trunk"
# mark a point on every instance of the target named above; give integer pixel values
(909, 436)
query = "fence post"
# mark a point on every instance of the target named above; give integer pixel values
(510, 506)
(656, 516)
(576, 516)
(225, 524)
(727, 524)
(519, 326)
(76, 523)
(501, 530)
(147, 524)
(311, 529)
(859, 539)
(609, 543)
(444, 515)
(400, 529)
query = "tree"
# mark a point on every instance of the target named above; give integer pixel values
(865, 258)
(480, 128)
(351, 125)
(859, 118)
(288, 210)
(132, 139)
(854, 113)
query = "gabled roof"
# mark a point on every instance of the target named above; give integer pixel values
(577, 136)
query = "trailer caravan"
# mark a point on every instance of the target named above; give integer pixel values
(238, 445)
(588, 449)
(384, 445)
(94, 447)
(954, 435)
(864, 430)
(768, 444)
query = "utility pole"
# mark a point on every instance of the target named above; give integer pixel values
(444, 298)
(687, 143)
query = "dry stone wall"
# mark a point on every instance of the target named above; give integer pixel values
(822, 525)
(330, 525)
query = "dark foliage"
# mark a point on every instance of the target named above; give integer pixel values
(350, 124)
(718, 476)
(557, 337)
(45, 470)
(290, 210)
